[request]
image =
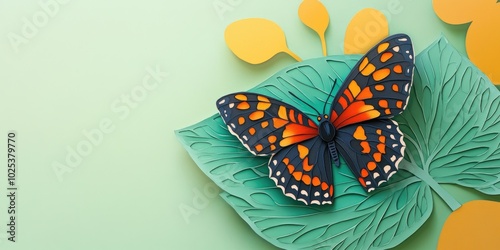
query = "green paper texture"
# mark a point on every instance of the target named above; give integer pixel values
(451, 127)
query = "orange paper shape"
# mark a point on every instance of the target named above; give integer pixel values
(483, 34)
(475, 225)
(315, 16)
(256, 40)
(366, 28)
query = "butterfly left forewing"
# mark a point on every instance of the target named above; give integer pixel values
(372, 150)
(378, 85)
(263, 124)
(303, 171)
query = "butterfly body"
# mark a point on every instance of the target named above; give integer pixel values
(357, 126)
(327, 132)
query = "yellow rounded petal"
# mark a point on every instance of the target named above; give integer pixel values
(482, 44)
(367, 28)
(315, 16)
(475, 225)
(460, 12)
(256, 40)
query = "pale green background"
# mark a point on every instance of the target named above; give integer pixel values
(127, 192)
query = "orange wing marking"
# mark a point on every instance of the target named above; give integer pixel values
(282, 113)
(263, 105)
(382, 47)
(386, 56)
(381, 74)
(359, 134)
(368, 70)
(256, 115)
(243, 106)
(398, 69)
(241, 97)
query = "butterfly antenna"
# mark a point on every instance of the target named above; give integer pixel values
(309, 105)
(329, 94)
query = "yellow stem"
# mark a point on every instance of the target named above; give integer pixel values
(323, 43)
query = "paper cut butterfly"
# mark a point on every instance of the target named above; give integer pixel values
(358, 126)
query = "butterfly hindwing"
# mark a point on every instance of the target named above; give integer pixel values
(378, 85)
(263, 124)
(303, 171)
(372, 150)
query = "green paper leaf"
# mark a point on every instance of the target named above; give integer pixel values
(452, 122)
(357, 219)
(451, 127)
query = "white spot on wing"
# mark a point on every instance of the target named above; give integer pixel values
(396, 49)
(397, 162)
(231, 105)
(282, 188)
(389, 126)
(222, 101)
(326, 195)
(387, 168)
(283, 179)
(406, 103)
(402, 39)
(401, 140)
(304, 193)
(391, 174)
(315, 202)
(278, 173)
(305, 202)
(274, 179)
(393, 158)
(294, 187)
(316, 193)
(376, 175)
(275, 162)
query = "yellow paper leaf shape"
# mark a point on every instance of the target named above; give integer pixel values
(366, 29)
(475, 225)
(483, 34)
(256, 40)
(462, 11)
(315, 16)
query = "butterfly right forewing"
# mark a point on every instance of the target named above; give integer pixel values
(378, 85)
